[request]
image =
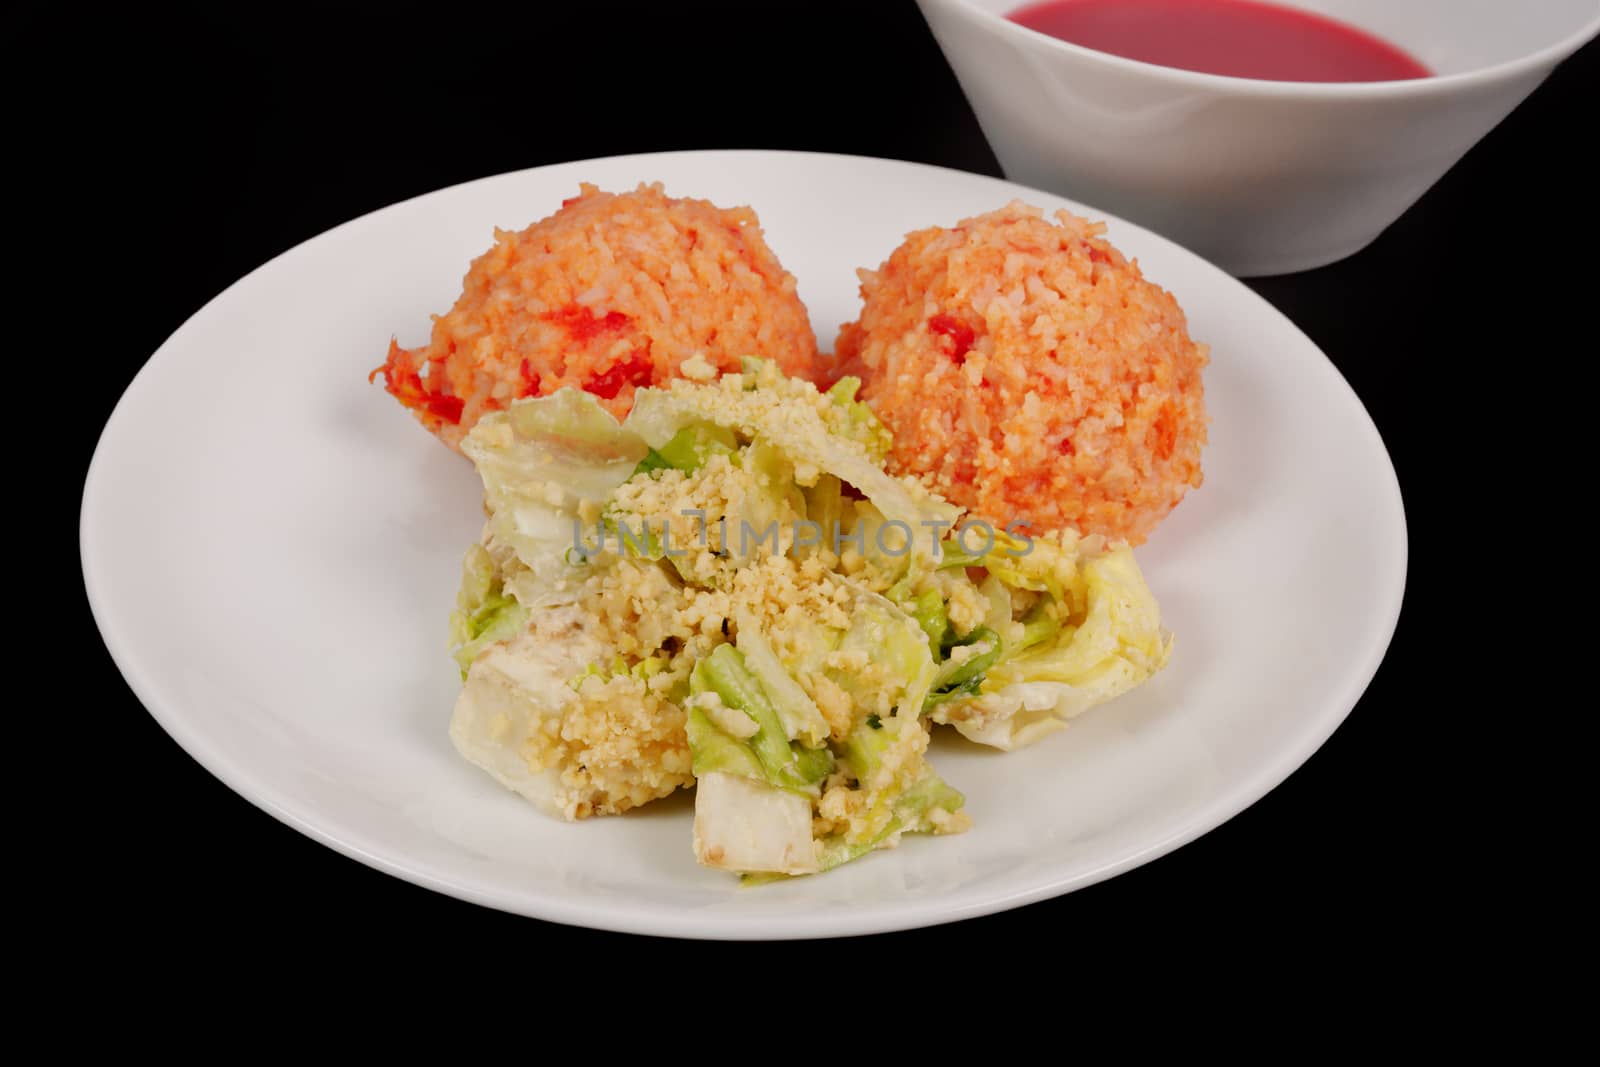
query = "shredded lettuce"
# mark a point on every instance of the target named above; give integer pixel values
(1051, 671)
(929, 611)
(853, 419)
(807, 732)
(541, 461)
(965, 665)
(485, 614)
(797, 711)
(899, 787)
(901, 795)
(901, 668)
(754, 404)
(783, 764)
(715, 752)
(689, 448)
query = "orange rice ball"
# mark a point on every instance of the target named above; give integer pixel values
(611, 293)
(1030, 373)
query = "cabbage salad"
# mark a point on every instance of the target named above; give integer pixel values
(727, 590)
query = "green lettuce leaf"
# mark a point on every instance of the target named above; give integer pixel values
(900, 669)
(1050, 671)
(689, 448)
(798, 713)
(787, 415)
(855, 420)
(783, 764)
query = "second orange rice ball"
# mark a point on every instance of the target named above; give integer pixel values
(1030, 373)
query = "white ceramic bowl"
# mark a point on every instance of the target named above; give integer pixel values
(1260, 177)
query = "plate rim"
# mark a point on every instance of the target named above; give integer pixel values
(663, 921)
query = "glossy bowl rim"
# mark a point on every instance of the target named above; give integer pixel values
(1442, 84)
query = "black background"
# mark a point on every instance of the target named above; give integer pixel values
(211, 138)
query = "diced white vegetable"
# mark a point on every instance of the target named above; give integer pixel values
(509, 691)
(744, 825)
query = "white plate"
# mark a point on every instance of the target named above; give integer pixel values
(271, 547)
